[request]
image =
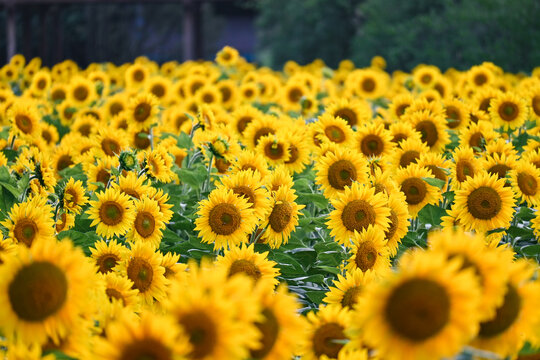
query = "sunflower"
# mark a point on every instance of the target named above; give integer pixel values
(326, 333)
(427, 310)
(291, 95)
(86, 125)
(408, 152)
(424, 76)
(159, 164)
(148, 223)
(432, 128)
(216, 312)
(499, 164)
(437, 164)
(501, 146)
(107, 255)
(533, 96)
(170, 262)
(245, 259)
(489, 265)
(282, 219)
(418, 192)
(43, 290)
(142, 111)
(348, 289)
(275, 149)
(49, 133)
(40, 83)
(374, 140)
(339, 169)
(354, 111)
(101, 173)
(115, 105)
(259, 127)
(119, 292)
(508, 111)
(298, 152)
(24, 119)
(368, 83)
(402, 131)
(160, 87)
(506, 332)
(247, 184)
(278, 177)
(525, 181)
(244, 115)
(335, 130)
(464, 166)
(30, 221)
(136, 76)
(162, 198)
(480, 76)
(133, 185)
(113, 213)
(227, 57)
(152, 336)
(484, 203)
(142, 266)
(355, 209)
(398, 221)
(81, 92)
(229, 92)
(110, 141)
(224, 219)
(457, 113)
(476, 136)
(369, 251)
(64, 221)
(281, 327)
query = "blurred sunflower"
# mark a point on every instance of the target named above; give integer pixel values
(418, 192)
(107, 255)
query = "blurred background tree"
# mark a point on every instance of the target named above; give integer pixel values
(458, 33)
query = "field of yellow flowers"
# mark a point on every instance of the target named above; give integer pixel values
(220, 210)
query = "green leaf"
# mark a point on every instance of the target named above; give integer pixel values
(288, 265)
(515, 231)
(184, 141)
(316, 296)
(434, 182)
(317, 199)
(329, 269)
(305, 256)
(431, 214)
(531, 250)
(58, 355)
(193, 177)
(7, 200)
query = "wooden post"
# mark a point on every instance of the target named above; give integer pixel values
(192, 30)
(11, 28)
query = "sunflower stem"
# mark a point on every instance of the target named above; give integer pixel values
(206, 184)
(151, 137)
(481, 353)
(12, 142)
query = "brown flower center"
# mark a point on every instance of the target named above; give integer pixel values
(366, 256)
(138, 75)
(224, 219)
(464, 169)
(454, 114)
(25, 231)
(246, 192)
(141, 273)
(505, 315)
(141, 142)
(80, 93)
(508, 111)
(415, 190)
(418, 309)
(293, 154)
(247, 267)
(341, 173)
(24, 123)
(358, 215)
(242, 123)
(348, 115)
(146, 349)
(372, 145)
(527, 184)
(262, 132)
(295, 94)
(535, 105)
(392, 228)
(350, 298)
(107, 262)
(274, 150)
(111, 213)
(58, 94)
(335, 134)
(145, 224)
(142, 112)
(368, 84)
(103, 176)
(500, 170)
(110, 147)
(115, 294)
(480, 79)
(484, 203)
(437, 172)
(269, 329)
(158, 90)
(38, 291)
(409, 157)
(428, 132)
(202, 333)
(280, 216)
(324, 340)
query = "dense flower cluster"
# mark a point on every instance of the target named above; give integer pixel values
(220, 210)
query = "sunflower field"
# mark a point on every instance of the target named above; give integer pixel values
(221, 210)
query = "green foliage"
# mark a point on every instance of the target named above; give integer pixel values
(446, 33)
